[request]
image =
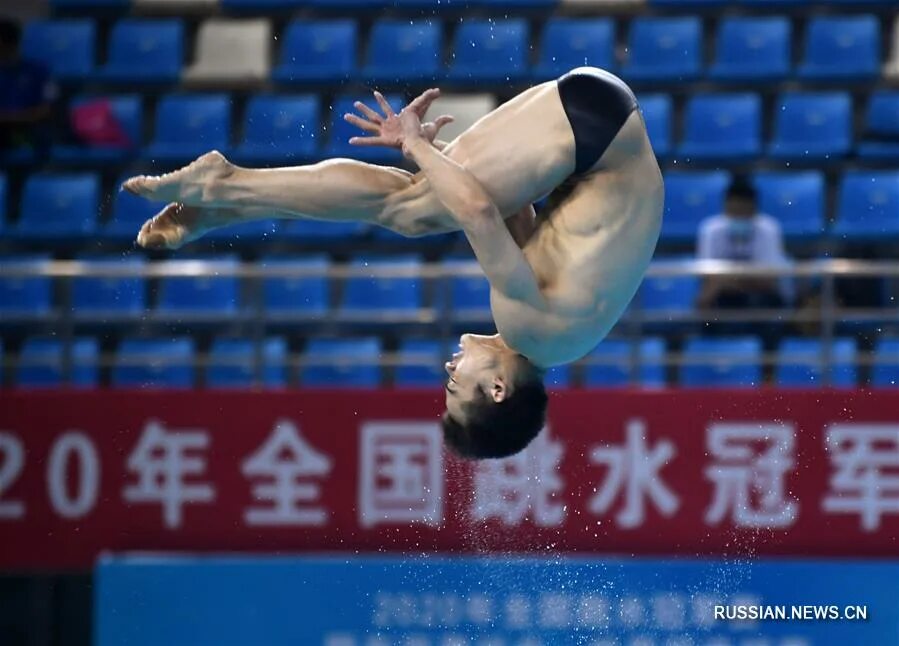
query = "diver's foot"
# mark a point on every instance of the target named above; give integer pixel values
(175, 226)
(193, 185)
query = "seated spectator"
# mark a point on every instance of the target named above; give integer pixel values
(26, 95)
(742, 234)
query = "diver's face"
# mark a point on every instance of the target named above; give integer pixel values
(475, 367)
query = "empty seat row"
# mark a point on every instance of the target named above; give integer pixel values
(660, 49)
(358, 362)
(719, 128)
(66, 206)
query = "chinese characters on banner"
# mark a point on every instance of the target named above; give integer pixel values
(691, 472)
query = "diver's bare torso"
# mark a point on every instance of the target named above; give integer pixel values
(590, 254)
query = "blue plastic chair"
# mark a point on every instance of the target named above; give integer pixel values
(657, 115)
(41, 363)
(722, 126)
(101, 298)
(280, 130)
(144, 51)
(66, 47)
(796, 200)
(664, 49)
(299, 296)
(674, 296)
(211, 296)
(129, 113)
(568, 43)
(885, 371)
(722, 363)
(154, 363)
(868, 206)
(403, 51)
(341, 131)
(812, 127)
(616, 369)
(752, 49)
(188, 125)
(799, 364)
(58, 206)
(881, 133)
(232, 363)
(27, 297)
(388, 295)
(421, 364)
(841, 48)
(490, 51)
(469, 296)
(321, 51)
(342, 363)
(691, 197)
(129, 213)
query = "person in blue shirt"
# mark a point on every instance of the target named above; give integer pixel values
(27, 92)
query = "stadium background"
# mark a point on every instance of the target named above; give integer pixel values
(296, 318)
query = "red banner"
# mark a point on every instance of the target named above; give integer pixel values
(705, 472)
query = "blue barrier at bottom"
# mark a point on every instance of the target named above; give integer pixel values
(424, 601)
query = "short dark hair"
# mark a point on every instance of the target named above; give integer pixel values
(742, 188)
(10, 32)
(498, 429)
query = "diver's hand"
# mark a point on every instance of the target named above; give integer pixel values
(387, 129)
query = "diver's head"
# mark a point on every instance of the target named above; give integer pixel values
(495, 399)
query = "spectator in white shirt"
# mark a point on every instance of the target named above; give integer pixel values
(742, 234)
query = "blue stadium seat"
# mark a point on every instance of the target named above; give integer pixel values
(129, 114)
(232, 363)
(341, 131)
(28, 296)
(799, 364)
(868, 206)
(468, 296)
(297, 296)
(487, 51)
(109, 297)
(250, 233)
(657, 113)
(129, 213)
(386, 295)
(841, 48)
(188, 125)
(403, 51)
(342, 363)
(318, 52)
(279, 130)
(671, 296)
(881, 132)
(752, 49)
(557, 377)
(58, 206)
(568, 43)
(812, 127)
(211, 295)
(722, 127)
(664, 49)
(885, 371)
(154, 363)
(41, 363)
(689, 199)
(616, 367)
(316, 231)
(144, 51)
(421, 364)
(796, 200)
(722, 363)
(66, 47)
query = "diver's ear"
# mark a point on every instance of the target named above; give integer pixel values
(498, 390)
